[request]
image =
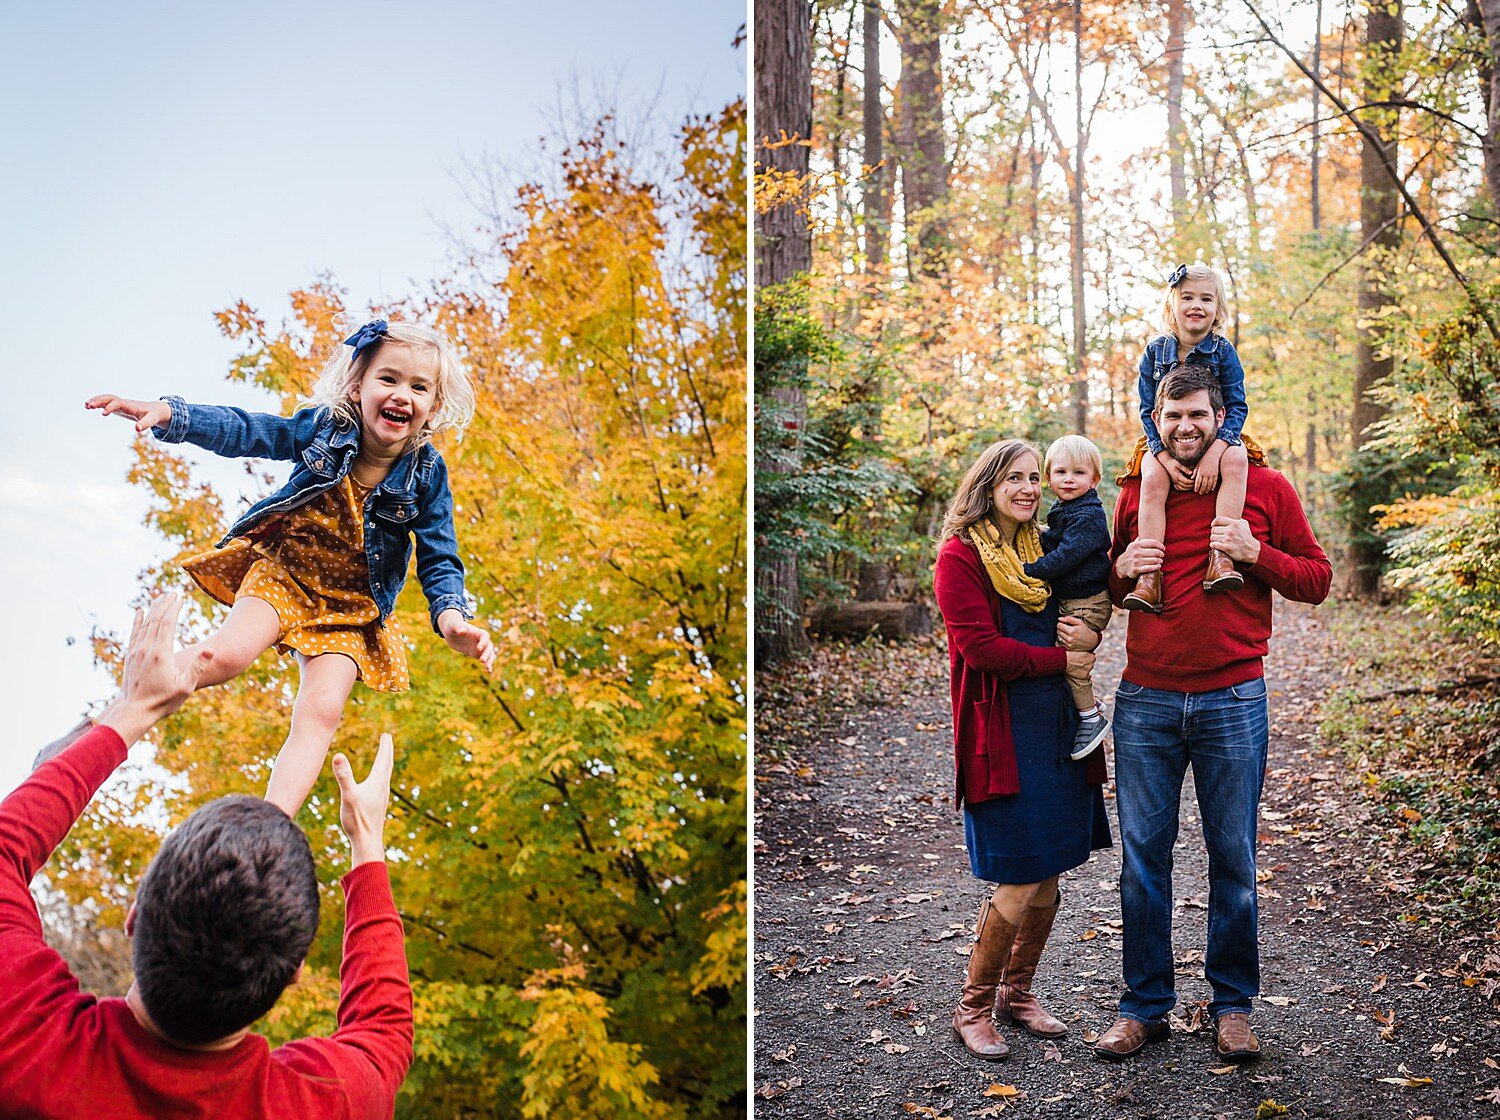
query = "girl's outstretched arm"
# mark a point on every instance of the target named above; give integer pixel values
(146, 414)
(232, 432)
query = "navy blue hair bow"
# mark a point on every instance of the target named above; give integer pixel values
(1179, 274)
(367, 335)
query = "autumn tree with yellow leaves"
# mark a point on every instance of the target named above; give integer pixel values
(568, 848)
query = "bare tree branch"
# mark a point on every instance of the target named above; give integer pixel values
(1476, 302)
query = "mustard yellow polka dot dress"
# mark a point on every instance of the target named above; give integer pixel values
(309, 564)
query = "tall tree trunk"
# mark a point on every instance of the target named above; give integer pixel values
(1485, 15)
(924, 170)
(1317, 69)
(1080, 392)
(1176, 136)
(783, 249)
(874, 578)
(1311, 444)
(875, 215)
(1378, 203)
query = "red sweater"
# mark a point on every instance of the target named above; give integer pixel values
(1202, 642)
(67, 1054)
(982, 659)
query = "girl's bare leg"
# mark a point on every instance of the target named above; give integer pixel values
(326, 681)
(1156, 484)
(1234, 477)
(251, 628)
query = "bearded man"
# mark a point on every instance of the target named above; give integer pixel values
(1194, 691)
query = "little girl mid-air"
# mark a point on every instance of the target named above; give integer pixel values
(315, 568)
(1193, 317)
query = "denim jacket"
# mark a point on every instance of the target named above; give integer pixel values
(1217, 353)
(413, 499)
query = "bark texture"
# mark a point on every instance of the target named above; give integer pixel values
(889, 620)
(783, 250)
(876, 217)
(924, 168)
(1378, 209)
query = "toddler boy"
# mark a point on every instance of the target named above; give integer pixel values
(1075, 562)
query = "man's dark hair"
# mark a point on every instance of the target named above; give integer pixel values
(1184, 381)
(223, 918)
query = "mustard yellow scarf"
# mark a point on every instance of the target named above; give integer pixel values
(1003, 561)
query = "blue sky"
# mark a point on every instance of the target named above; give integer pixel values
(165, 160)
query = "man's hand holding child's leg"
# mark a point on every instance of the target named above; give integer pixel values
(362, 805)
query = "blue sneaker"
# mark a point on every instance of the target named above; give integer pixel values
(1091, 732)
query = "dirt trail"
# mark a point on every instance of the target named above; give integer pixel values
(864, 904)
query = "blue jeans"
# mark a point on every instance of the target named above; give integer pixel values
(1224, 735)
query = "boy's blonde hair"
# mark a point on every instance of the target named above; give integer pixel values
(452, 397)
(1075, 451)
(1198, 273)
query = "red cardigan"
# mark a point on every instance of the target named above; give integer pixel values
(66, 1054)
(982, 659)
(1203, 642)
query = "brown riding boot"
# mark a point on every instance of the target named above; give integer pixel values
(1147, 595)
(972, 1021)
(1014, 1002)
(1221, 575)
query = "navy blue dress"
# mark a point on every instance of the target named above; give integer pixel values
(1057, 819)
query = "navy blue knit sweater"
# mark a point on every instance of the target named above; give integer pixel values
(1075, 546)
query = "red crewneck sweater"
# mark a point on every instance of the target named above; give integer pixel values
(65, 1054)
(1202, 642)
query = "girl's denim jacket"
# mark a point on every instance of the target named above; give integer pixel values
(413, 500)
(1217, 353)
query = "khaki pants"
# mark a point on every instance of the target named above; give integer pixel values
(1095, 613)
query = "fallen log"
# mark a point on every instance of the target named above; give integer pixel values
(859, 620)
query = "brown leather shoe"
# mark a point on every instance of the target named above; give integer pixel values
(972, 1022)
(1221, 574)
(1147, 595)
(1127, 1036)
(1014, 1002)
(1234, 1041)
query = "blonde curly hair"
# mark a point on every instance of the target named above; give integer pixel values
(453, 394)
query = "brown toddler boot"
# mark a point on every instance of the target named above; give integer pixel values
(1147, 595)
(973, 1024)
(1221, 575)
(1014, 1002)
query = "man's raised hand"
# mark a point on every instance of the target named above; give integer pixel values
(362, 805)
(152, 686)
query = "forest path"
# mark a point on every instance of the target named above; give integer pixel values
(864, 906)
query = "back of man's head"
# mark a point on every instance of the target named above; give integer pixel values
(1186, 380)
(223, 919)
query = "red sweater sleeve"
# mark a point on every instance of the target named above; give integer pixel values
(39, 996)
(35, 818)
(1126, 506)
(372, 1048)
(959, 584)
(1292, 561)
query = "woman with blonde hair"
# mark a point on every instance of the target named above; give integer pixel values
(1030, 811)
